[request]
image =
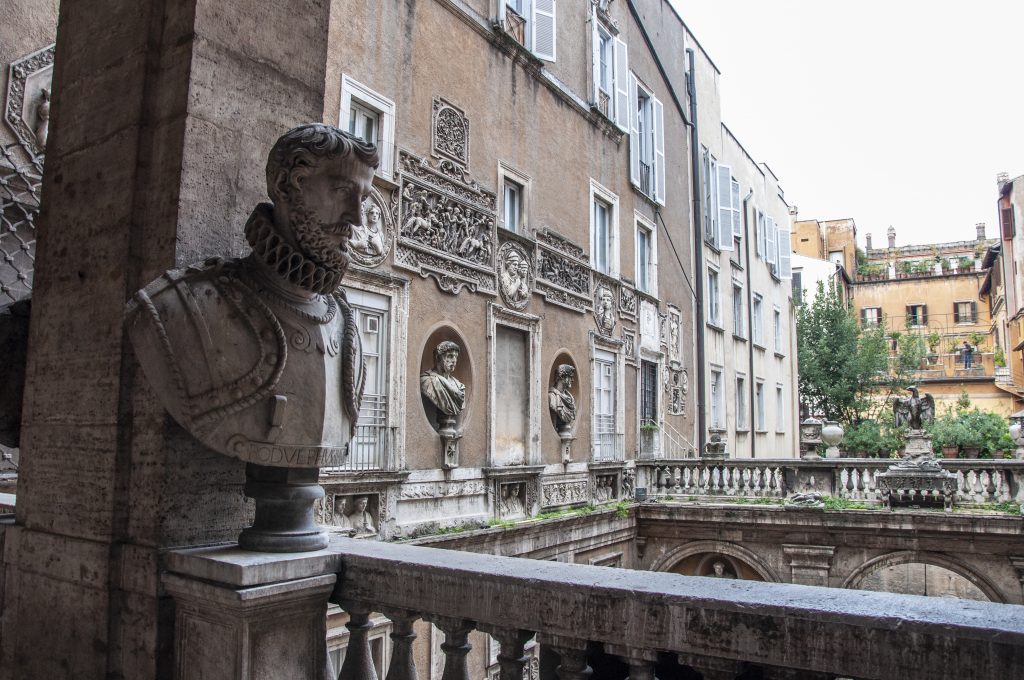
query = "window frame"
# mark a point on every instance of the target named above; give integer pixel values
(642, 224)
(507, 173)
(757, 317)
(739, 326)
(742, 419)
(780, 408)
(716, 389)
(777, 328)
(760, 416)
(600, 193)
(713, 295)
(354, 91)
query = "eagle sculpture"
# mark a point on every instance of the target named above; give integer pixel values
(914, 411)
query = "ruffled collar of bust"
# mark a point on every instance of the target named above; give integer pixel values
(271, 248)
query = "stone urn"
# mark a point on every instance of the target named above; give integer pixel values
(832, 434)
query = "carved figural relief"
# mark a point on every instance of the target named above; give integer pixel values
(512, 503)
(563, 274)
(352, 513)
(27, 110)
(514, 275)
(604, 309)
(372, 239)
(675, 324)
(447, 394)
(605, 488)
(565, 493)
(450, 132)
(259, 358)
(676, 387)
(447, 227)
(627, 301)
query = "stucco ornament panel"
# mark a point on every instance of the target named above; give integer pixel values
(604, 308)
(563, 274)
(371, 240)
(674, 334)
(627, 302)
(447, 228)
(629, 346)
(27, 110)
(450, 137)
(515, 275)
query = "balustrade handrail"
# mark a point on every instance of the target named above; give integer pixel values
(637, 613)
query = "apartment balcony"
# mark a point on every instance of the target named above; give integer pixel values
(950, 366)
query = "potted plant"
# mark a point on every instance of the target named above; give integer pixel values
(999, 357)
(903, 268)
(969, 440)
(934, 338)
(944, 436)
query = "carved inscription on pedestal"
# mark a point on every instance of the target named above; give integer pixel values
(563, 275)
(447, 227)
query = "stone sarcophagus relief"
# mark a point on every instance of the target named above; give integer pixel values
(259, 357)
(446, 226)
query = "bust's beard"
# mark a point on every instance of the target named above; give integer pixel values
(309, 233)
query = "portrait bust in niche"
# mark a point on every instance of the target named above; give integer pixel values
(560, 400)
(440, 386)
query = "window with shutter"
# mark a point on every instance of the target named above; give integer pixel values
(724, 207)
(770, 242)
(622, 87)
(544, 29)
(785, 254)
(956, 312)
(634, 133)
(974, 312)
(737, 225)
(864, 317)
(761, 241)
(659, 150)
(924, 315)
(1006, 221)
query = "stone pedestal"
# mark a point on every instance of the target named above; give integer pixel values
(919, 443)
(716, 448)
(249, 616)
(810, 564)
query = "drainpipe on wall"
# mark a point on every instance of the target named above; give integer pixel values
(750, 320)
(698, 252)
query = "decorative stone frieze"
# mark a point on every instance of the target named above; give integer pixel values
(629, 346)
(564, 491)
(515, 275)
(628, 304)
(563, 274)
(429, 490)
(447, 227)
(27, 110)
(677, 385)
(674, 335)
(514, 490)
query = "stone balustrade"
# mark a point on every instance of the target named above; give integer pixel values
(245, 615)
(979, 481)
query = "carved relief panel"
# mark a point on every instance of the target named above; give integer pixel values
(676, 388)
(606, 487)
(563, 274)
(360, 514)
(446, 226)
(515, 275)
(604, 306)
(450, 128)
(27, 110)
(565, 492)
(371, 241)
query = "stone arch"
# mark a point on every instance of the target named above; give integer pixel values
(680, 553)
(858, 576)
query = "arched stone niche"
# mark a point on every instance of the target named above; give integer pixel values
(920, 573)
(463, 372)
(563, 357)
(698, 558)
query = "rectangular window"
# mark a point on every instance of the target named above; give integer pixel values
(646, 258)
(371, 117)
(709, 178)
(531, 23)
(870, 316)
(762, 240)
(610, 73)
(512, 196)
(798, 287)
(759, 423)
(756, 312)
(742, 423)
(717, 399)
(712, 295)
(965, 312)
(604, 231)
(368, 449)
(777, 329)
(780, 409)
(738, 326)
(648, 392)
(917, 315)
(646, 141)
(605, 430)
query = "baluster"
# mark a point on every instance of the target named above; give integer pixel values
(777, 483)
(844, 478)
(986, 486)
(677, 479)
(403, 663)
(961, 483)
(640, 661)
(512, 658)
(867, 479)
(716, 480)
(358, 663)
(747, 488)
(572, 664)
(972, 485)
(1002, 488)
(455, 646)
(756, 481)
(721, 478)
(687, 477)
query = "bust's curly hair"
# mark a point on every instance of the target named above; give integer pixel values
(303, 146)
(445, 347)
(565, 371)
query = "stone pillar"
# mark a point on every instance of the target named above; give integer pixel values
(161, 119)
(810, 564)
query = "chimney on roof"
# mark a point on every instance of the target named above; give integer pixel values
(1002, 178)
(892, 236)
(980, 226)
(867, 238)
(793, 210)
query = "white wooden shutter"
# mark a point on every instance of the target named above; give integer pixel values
(634, 132)
(724, 207)
(624, 88)
(769, 234)
(595, 45)
(544, 29)
(760, 234)
(737, 218)
(659, 150)
(785, 250)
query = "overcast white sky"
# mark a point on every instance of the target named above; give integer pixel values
(899, 112)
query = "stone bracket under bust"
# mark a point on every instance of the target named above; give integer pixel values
(259, 358)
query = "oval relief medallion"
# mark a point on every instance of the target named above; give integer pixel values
(371, 241)
(515, 275)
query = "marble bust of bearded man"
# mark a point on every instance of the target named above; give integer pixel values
(440, 386)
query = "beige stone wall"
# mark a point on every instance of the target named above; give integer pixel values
(807, 239)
